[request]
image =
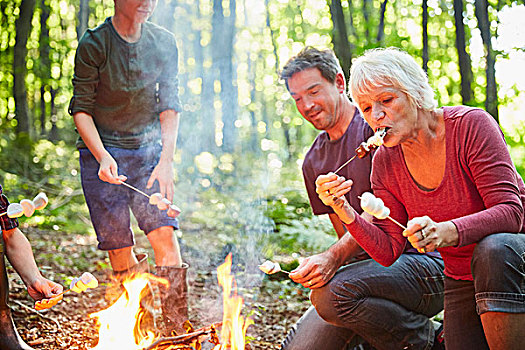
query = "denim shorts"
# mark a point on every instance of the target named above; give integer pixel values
(109, 205)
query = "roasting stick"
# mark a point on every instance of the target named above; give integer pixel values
(135, 189)
(345, 164)
(365, 148)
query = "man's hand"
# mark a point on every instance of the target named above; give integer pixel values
(315, 271)
(108, 170)
(163, 173)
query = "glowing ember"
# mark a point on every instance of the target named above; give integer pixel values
(118, 323)
(233, 332)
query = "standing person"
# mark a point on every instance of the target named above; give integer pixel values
(126, 109)
(390, 307)
(15, 245)
(447, 173)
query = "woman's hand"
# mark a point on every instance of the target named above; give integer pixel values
(163, 173)
(427, 235)
(331, 189)
(108, 170)
(315, 271)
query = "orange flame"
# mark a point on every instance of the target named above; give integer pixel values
(117, 323)
(234, 326)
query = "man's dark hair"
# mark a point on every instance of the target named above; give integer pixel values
(310, 57)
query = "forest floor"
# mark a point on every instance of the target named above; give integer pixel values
(273, 304)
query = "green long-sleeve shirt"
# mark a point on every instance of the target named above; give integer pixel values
(125, 86)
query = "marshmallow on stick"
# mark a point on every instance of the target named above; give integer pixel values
(78, 285)
(376, 207)
(29, 207)
(158, 200)
(40, 201)
(26, 207)
(365, 148)
(14, 210)
(270, 267)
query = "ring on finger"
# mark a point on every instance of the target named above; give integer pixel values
(423, 233)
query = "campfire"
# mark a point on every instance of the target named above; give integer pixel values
(120, 324)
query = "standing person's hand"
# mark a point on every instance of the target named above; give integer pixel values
(315, 271)
(42, 288)
(108, 170)
(331, 189)
(426, 235)
(163, 173)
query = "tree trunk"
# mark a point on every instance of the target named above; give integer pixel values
(366, 15)
(83, 18)
(465, 66)
(482, 14)
(340, 36)
(285, 126)
(223, 37)
(381, 28)
(351, 31)
(44, 64)
(424, 26)
(23, 28)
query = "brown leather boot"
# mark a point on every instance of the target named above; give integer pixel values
(9, 337)
(174, 298)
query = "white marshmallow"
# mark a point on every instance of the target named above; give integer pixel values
(270, 267)
(164, 204)
(89, 280)
(155, 198)
(29, 207)
(40, 201)
(173, 211)
(15, 210)
(383, 214)
(374, 206)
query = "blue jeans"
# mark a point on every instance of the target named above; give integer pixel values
(388, 307)
(498, 268)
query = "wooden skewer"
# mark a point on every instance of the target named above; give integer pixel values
(135, 189)
(345, 164)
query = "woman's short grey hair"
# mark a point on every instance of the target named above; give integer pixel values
(393, 68)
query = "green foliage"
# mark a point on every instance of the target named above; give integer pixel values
(255, 193)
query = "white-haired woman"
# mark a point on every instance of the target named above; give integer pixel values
(446, 173)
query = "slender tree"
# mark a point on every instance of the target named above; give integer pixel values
(83, 18)
(285, 126)
(23, 28)
(340, 36)
(464, 61)
(381, 29)
(424, 26)
(223, 39)
(44, 63)
(482, 14)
